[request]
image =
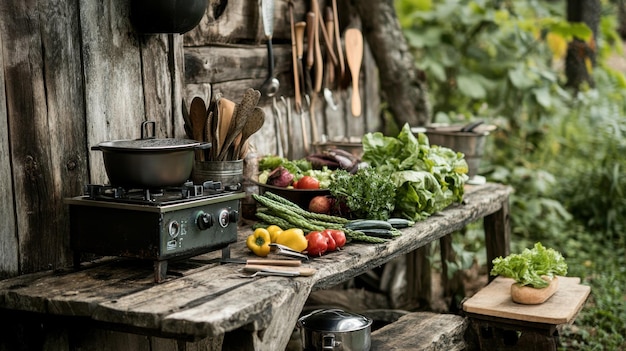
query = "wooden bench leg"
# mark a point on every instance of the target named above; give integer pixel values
(496, 336)
(497, 235)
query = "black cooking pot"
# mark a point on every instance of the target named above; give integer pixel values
(166, 16)
(149, 162)
(335, 329)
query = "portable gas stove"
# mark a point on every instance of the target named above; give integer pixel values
(159, 225)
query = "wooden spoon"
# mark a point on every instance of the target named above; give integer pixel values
(198, 116)
(255, 121)
(248, 103)
(354, 56)
(225, 111)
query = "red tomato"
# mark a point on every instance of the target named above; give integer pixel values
(307, 182)
(339, 236)
(317, 244)
(332, 246)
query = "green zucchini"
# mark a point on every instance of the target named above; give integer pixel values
(360, 224)
(380, 233)
(400, 222)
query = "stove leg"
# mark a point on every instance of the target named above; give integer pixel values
(76, 259)
(226, 252)
(160, 271)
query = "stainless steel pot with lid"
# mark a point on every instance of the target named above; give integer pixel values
(335, 329)
(149, 162)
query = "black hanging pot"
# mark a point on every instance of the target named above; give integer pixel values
(166, 16)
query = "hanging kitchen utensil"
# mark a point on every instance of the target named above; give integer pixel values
(255, 121)
(319, 68)
(354, 56)
(271, 84)
(330, 69)
(278, 123)
(294, 59)
(338, 41)
(305, 81)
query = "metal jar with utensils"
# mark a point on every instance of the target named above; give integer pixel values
(149, 162)
(335, 329)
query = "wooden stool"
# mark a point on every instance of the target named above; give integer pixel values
(501, 324)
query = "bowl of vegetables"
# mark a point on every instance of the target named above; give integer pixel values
(295, 181)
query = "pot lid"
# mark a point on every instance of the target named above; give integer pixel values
(149, 144)
(334, 320)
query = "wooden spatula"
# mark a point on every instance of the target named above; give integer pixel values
(354, 56)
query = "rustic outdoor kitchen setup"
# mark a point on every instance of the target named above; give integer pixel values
(125, 228)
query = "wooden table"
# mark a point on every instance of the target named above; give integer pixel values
(207, 305)
(500, 323)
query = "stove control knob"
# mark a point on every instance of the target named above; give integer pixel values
(233, 216)
(204, 220)
(224, 218)
(173, 229)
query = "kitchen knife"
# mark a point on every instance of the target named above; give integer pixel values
(302, 271)
(260, 261)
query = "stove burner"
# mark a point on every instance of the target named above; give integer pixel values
(159, 196)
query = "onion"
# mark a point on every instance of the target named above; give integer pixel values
(321, 204)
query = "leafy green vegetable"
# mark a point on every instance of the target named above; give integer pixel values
(428, 179)
(367, 193)
(295, 167)
(528, 267)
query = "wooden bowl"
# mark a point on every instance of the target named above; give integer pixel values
(301, 197)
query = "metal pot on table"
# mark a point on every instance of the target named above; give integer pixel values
(335, 329)
(149, 162)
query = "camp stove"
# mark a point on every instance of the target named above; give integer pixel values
(154, 224)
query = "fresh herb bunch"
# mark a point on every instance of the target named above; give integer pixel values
(367, 193)
(531, 265)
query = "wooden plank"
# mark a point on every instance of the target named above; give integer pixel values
(112, 72)
(422, 331)
(497, 234)
(9, 260)
(240, 22)
(495, 300)
(45, 126)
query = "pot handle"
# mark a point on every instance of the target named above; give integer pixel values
(203, 146)
(144, 129)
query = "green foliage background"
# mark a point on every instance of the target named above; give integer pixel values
(561, 150)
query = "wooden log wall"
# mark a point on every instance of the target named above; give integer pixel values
(227, 52)
(76, 73)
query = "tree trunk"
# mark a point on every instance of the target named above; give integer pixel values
(403, 86)
(579, 53)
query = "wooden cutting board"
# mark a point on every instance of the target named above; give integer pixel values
(495, 300)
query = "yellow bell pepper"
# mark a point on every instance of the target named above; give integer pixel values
(259, 242)
(274, 231)
(293, 238)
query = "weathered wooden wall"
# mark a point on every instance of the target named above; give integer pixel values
(75, 74)
(226, 52)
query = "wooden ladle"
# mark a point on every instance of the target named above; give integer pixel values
(354, 56)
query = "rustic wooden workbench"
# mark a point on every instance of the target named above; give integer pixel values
(115, 302)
